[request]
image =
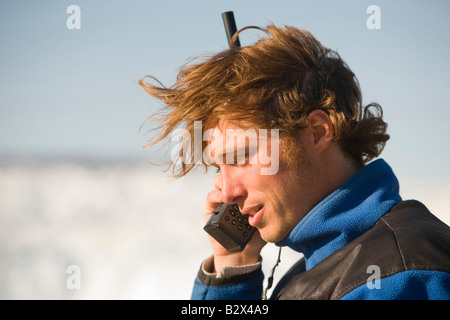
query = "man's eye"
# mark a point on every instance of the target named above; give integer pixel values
(244, 160)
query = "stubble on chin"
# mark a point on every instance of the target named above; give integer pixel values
(274, 233)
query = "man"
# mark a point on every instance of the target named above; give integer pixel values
(323, 198)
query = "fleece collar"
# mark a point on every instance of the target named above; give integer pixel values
(345, 214)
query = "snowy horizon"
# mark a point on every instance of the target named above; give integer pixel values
(134, 232)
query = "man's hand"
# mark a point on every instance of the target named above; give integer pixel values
(222, 257)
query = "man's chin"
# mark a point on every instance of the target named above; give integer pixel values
(273, 234)
(271, 237)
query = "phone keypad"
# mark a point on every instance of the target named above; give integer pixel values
(238, 223)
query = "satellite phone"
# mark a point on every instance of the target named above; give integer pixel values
(227, 224)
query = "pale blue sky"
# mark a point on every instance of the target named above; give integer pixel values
(74, 93)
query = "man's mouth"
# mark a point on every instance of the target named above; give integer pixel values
(255, 215)
(251, 210)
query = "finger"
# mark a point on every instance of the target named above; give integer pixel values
(214, 198)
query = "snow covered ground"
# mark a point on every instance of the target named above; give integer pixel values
(133, 232)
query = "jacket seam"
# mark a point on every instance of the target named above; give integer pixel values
(396, 242)
(357, 283)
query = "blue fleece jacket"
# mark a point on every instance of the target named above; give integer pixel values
(344, 215)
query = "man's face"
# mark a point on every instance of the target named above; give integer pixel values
(275, 202)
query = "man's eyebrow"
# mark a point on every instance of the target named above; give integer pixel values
(235, 152)
(225, 152)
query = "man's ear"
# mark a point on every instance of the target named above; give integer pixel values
(321, 128)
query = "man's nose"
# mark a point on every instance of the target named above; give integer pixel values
(233, 190)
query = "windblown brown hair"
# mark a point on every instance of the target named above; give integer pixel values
(274, 83)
